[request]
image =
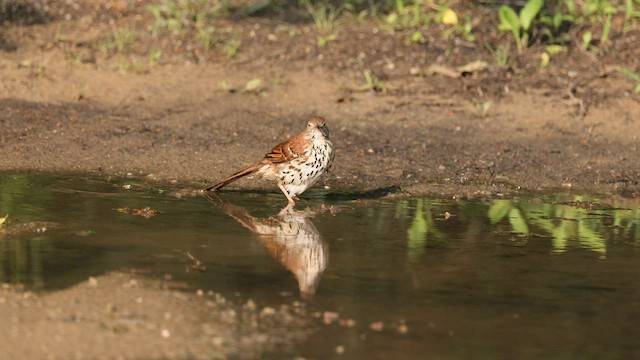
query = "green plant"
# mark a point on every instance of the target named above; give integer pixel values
(324, 15)
(324, 40)
(630, 13)
(254, 86)
(631, 75)
(154, 57)
(206, 37)
(372, 82)
(464, 29)
(550, 51)
(121, 42)
(519, 24)
(407, 16)
(231, 46)
(178, 16)
(500, 54)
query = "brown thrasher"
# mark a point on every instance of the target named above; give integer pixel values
(295, 164)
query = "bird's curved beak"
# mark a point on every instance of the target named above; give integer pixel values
(324, 130)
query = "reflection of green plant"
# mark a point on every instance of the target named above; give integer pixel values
(501, 208)
(626, 221)
(422, 226)
(519, 24)
(567, 221)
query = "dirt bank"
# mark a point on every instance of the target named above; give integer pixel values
(67, 106)
(123, 316)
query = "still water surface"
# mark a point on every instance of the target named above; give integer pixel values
(554, 276)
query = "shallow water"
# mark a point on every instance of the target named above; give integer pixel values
(554, 276)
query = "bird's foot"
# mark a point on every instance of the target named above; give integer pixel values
(287, 210)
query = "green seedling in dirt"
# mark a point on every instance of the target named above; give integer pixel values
(325, 16)
(154, 57)
(464, 29)
(231, 47)
(606, 29)
(324, 40)
(483, 107)
(254, 86)
(121, 41)
(3, 219)
(372, 82)
(630, 14)
(415, 38)
(406, 16)
(500, 54)
(631, 75)
(519, 24)
(206, 37)
(586, 40)
(226, 86)
(550, 50)
(178, 16)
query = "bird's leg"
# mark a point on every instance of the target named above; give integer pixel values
(287, 210)
(286, 193)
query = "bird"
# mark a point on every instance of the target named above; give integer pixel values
(295, 164)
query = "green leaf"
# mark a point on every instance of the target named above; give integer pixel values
(586, 39)
(557, 20)
(529, 12)
(253, 85)
(498, 210)
(554, 49)
(3, 219)
(606, 29)
(417, 233)
(508, 19)
(630, 74)
(517, 222)
(544, 59)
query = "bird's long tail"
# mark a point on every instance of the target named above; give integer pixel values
(235, 176)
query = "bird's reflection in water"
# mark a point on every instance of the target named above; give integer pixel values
(290, 237)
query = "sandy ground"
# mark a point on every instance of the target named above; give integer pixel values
(124, 316)
(177, 124)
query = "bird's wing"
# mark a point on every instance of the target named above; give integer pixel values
(286, 151)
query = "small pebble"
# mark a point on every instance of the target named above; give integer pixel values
(347, 322)
(377, 326)
(329, 317)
